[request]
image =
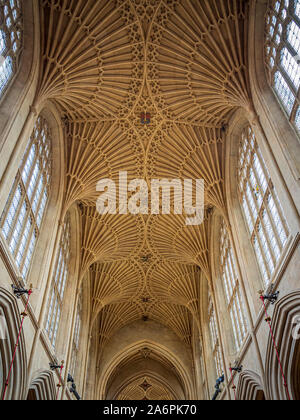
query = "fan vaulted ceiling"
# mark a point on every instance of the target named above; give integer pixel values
(104, 63)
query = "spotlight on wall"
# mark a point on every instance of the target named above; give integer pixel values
(73, 389)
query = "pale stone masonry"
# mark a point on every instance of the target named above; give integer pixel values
(144, 306)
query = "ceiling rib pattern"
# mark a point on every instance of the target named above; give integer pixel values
(197, 56)
(173, 240)
(176, 317)
(186, 152)
(178, 283)
(108, 238)
(105, 63)
(112, 282)
(145, 354)
(116, 315)
(94, 151)
(146, 388)
(98, 74)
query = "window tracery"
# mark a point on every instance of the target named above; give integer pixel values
(11, 30)
(261, 207)
(215, 341)
(23, 214)
(230, 279)
(76, 337)
(59, 282)
(282, 54)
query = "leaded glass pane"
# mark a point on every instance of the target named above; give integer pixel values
(59, 279)
(11, 30)
(22, 216)
(282, 54)
(261, 207)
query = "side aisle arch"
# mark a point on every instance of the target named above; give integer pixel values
(10, 322)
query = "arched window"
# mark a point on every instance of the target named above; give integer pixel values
(22, 216)
(283, 54)
(202, 366)
(11, 29)
(76, 337)
(262, 210)
(58, 285)
(230, 279)
(215, 342)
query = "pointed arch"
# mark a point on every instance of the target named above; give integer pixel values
(20, 88)
(42, 387)
(250, 387)
(152, 346)
(280, 132)
(285, 318)
(9, 313)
